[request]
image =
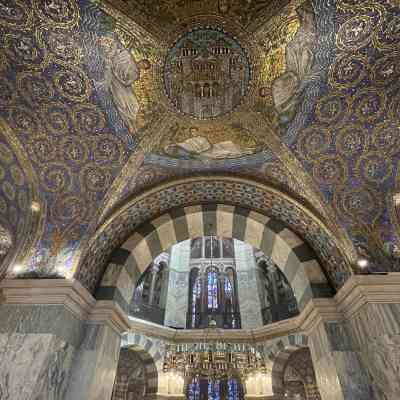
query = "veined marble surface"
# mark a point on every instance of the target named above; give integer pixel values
(339, 373)
(34, 366)
(95, 365)
(376, 330)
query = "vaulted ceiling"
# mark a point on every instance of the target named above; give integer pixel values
(101, 100)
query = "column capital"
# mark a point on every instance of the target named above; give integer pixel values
(69, 293)
(316, 312)
(110, 313)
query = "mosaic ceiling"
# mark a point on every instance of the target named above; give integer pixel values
(107, 98)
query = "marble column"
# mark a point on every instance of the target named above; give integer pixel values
(247, 278)
(45, 325)
(178, 292)
(371, 306)
(339, 371)
(95, 365)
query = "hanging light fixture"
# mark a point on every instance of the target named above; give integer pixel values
(214, 359)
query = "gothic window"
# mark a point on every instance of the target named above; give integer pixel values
(212, 247)
(234, 389)
(214, 389)
(196, 248)
(278, 300)
(194, 389)
(227, 248)
(148, 299)
(212, 289)
(213, 295)
(195, 297)
(230, 300)
(202, 387)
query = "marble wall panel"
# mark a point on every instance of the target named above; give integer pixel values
(249, 299)
(34, 366)
(37, 346)
(339, 371)
(178, 286)
(376, 332)
(95, 365)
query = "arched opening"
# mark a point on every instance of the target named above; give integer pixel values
(293, 375)
(225, 207)
(140, 244)
(137, 377)
(149, 297)
(213, 281)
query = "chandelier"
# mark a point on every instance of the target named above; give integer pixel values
(214, 359)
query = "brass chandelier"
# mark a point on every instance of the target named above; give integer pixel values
(214, 359)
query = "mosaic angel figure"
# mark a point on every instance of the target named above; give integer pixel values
(299, 64)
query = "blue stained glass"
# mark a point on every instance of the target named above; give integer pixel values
(196, 294)
(214, 390)
(233, 389)
(194, 389)
(228, 288)
(212, 292)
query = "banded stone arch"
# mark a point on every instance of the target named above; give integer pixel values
(332, 244)
(146, 356)
(152, 350)
(278, 354)
(287, 250)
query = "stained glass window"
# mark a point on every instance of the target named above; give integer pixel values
(196, 298)
(202, 388)
(233, 389)
(194, 389)
(212, 290)
(214, 389)
(228, 288)
(196, 248)
(228, 249)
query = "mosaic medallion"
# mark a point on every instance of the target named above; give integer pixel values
(206, 74)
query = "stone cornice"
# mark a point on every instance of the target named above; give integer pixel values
(368, 289)
(316, 312)
(110, 313)
(151, 329)
(357, 292)
(70, 294)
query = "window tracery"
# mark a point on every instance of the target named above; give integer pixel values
(213, 285)
(148, 297)
(277, 298)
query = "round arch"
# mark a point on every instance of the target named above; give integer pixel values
(287, 250)
(246, 210)
(126, 364)
(278, 356)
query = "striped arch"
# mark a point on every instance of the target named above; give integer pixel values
(278, 354)
(149, 361)
(152, 350)
(288, 251)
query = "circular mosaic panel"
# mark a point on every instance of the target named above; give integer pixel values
(206, 73)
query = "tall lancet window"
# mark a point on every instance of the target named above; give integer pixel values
(212, 289)
(231, 307)
(234, 389)
(195, 297)
(214, 389)
(194, 389)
